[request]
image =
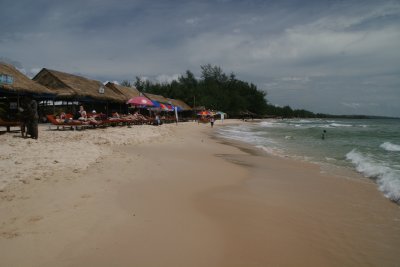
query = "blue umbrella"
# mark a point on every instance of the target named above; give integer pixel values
(156, 104)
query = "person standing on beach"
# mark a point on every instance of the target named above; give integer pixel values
(30, 117)
(212, 121)
(24, 116)
(158, 121)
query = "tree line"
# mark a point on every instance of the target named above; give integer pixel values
(218, 91)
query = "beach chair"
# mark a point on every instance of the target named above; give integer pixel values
(95, 120)
(73, 124)
(9, 124)
(150, 120)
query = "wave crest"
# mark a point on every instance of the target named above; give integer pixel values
(340, 125)
(387, 178)
(390, 147)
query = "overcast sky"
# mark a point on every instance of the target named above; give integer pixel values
(339, 57)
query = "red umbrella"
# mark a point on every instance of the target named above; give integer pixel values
(204, 113)
(140, 101)
(163, 106)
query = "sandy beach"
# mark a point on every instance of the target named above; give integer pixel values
(175, 195)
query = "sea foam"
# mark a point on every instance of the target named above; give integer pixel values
(390, 147)
(387, 178)
(340, 125)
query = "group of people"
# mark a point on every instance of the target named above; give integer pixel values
(83, 116)
(30, 118)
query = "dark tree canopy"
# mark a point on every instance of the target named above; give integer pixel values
(218, 91)
(214, 90)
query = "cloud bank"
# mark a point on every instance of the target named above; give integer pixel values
(337, 57)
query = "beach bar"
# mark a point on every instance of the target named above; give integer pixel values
(73, 88)
(13, 86)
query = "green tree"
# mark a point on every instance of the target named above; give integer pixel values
(139, 84)
(126, 83)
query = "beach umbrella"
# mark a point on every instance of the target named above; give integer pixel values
(164, 107)
(140, 101)
(156, 104)
(204, 113)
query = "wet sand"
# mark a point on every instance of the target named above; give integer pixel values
(290, 214)
(191, 200)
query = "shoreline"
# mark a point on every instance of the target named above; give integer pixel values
(188, 199)
(301, 208)
(343, 172)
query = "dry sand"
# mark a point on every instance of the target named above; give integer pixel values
(173, 196)
(24, 160)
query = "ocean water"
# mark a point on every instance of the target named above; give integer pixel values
(368, 146)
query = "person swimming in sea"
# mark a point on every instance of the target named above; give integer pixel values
(323, 134)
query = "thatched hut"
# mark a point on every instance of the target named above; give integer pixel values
(158, 98)
(127, 92)
(184, 109)
(69, 86)
(180, 103)
(72, 89)
(14, 83)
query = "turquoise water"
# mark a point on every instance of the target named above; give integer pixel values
(369, 146)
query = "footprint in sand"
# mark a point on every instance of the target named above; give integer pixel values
(84, 196)
(35, 218)
(9, 234)
(8, 197)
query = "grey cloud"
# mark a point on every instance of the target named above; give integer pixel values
(302, 53)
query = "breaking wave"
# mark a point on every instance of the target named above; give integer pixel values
(390, 147)
(388, 179)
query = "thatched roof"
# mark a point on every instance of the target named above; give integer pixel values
(72, 86)
(128, 92)
(21, 83)
(180, 103)
(158, 98)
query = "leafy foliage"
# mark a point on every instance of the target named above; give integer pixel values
(219, 91)
(214, 90)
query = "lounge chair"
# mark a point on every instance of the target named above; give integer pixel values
(71, 124)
